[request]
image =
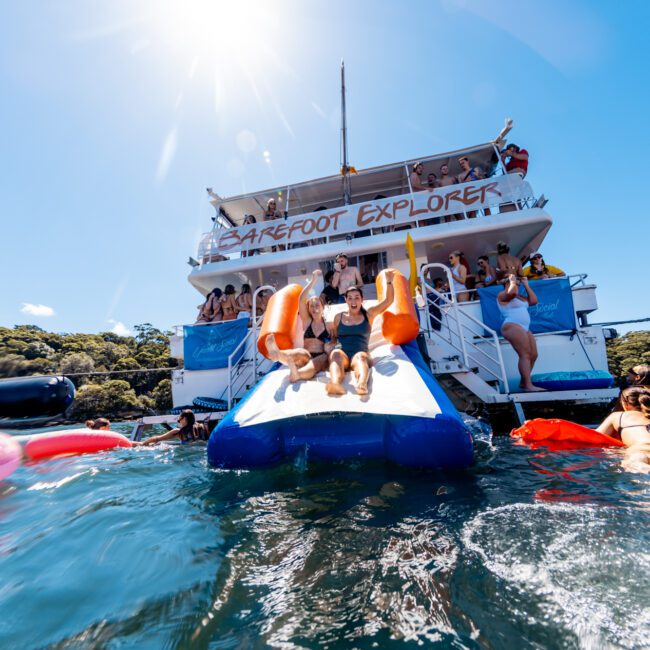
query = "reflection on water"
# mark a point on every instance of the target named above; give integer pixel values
(151, 548)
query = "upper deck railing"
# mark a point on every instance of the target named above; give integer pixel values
(415, 209)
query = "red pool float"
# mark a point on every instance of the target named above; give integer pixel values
(559, 434)
(72, 441)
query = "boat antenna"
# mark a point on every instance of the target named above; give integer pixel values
(345, 166)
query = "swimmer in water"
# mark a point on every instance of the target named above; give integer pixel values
(632, 427)
(100, 424)
(188, 431)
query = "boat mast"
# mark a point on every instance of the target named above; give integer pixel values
(345, 167)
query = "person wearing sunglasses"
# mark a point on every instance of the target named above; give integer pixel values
(539, 270)
(487, 274)
(458, 277)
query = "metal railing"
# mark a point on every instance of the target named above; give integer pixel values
(460, 330)
(244, 371)
(208, 250)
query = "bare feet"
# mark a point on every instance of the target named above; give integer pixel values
(272, 348)
(294, 376)
(532, 389)
(362, 389)
(335, 389)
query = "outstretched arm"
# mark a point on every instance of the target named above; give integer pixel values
(607, 425)
(334, 331)
(532, 298)
(156, 439)
(388, 298)
(510, 292)
(303, 309)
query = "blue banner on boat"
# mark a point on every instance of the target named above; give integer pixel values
(209, 346)
(553, 313)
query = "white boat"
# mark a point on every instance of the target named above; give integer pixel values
(367, 215)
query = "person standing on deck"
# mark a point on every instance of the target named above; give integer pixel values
(446, 180)
(345, 276)
(515, 328)
(416, 177)
(518, 160)
(507, 264)
(350, 336)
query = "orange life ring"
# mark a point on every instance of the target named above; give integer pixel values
(72, 441)
(281, 318)
(400, 321)
(558, 432)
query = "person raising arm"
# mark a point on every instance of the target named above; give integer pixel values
(350, 336)
(515, 327)
(305, 362)
(345, 276)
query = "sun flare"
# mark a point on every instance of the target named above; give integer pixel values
(217, 32)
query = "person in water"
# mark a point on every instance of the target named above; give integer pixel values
(516, 325)
(350, 335)
(188, 430)
(100, 424)
(638, 375)
(632, 427)
(304, 363)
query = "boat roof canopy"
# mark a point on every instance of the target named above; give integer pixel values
(367, 185)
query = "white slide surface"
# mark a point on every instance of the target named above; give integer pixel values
(395, 387)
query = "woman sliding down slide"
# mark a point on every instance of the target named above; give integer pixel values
(305, 362)
(350, 333)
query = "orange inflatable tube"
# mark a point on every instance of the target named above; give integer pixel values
(74, 441)
(562, 433)
(281, 318)
(400, 321)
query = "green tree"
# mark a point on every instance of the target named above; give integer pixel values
(629, 350)
(162, 395)
(76, 362)
(110, 399)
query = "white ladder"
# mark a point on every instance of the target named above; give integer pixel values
(245, 363)
(470, 345)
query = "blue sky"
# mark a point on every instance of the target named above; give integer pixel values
(115, 117)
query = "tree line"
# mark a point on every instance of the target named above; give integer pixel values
(29, 350)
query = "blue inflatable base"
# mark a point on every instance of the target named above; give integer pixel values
(441, 441)
(577, 380)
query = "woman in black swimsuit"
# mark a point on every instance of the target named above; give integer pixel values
(187, 432)
(632, 426)
(311, 359)
(351, 333)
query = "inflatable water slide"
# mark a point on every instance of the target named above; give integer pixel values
(406, 418)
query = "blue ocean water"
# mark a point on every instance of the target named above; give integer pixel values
(151, 548)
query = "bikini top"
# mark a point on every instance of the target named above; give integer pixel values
(630, 426)
(323, 336)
